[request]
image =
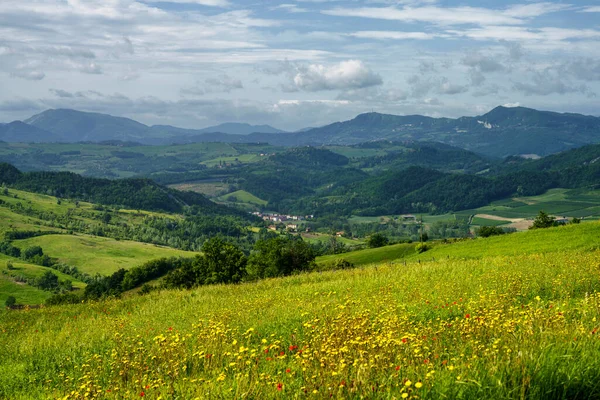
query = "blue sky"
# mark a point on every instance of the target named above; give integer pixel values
(292, 64)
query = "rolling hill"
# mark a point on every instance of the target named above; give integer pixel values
(499, 133)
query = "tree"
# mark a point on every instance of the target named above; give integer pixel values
(48, 281)
(32, 251)
(543, 220)
(222, 262)
(10, 301)
(487, 231)
(377, 240)
(279, 256)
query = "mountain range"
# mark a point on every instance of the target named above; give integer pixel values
(501, 132)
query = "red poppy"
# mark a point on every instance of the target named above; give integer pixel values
(142, 394)
(468, 316)
(404, 340)
(279, 386)
(397, 367)
(287, 371)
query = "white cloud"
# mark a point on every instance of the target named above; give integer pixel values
(396, 35)
(29, 75)
(211, 3)
(436, 15)
(351, 74)
(292, 8)
(594, 9)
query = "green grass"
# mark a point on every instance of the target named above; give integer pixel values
(25, 294)
(99, 255)
(501, 325)
(370, 256)
(487, 222)
(33, 271)
(241, 196)
(582, 237)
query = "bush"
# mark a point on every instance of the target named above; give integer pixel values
(280, 256)
(487, 231)
(342, 263)
(377, 240)
(63, 298)
(10, 301)
(543, 220)
(422, 248)
(9, 266)
(31, 252)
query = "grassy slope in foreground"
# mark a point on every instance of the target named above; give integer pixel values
(101, 255)
(505, 326)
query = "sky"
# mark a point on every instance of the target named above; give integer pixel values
(296, 63)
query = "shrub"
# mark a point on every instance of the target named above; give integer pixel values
(377, 240)
(64, 298)
(31, 252)
(10, 266)
(543, 220)
(342, 263)
(487, 231)
(422, 247)
(10, 301)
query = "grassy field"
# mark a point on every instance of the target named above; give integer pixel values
(558, 202)
(477, 221)
(241, 196)
(93, 255)
(370, 256)
(502, 324)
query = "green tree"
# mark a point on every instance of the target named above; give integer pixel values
(48, 281)
(222, 262)
(32, 251)
(543, 220)
(10, 301)
(377, 240)
(279, 256)
(487, 231)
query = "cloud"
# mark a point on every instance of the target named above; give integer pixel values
(547, 82)
(211, 3)
(594, 9)
(291, 8)
(61, 93)
(396, 35)
(219, 84)
(585, 69)
(421, 86)
(514, 15)
(482, 62)
(29, 75)
(351, 74)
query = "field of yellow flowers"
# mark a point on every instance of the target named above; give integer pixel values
(498, 327)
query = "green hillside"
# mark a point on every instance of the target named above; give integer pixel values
(100, 255)
(518, 318)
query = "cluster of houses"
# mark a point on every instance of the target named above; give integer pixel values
(283, 219)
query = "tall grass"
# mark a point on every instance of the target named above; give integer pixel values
(504, 326)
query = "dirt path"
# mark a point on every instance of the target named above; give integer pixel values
(520, 224)
(497, 218)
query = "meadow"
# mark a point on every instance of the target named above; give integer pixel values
(478, 322)
(92, 255)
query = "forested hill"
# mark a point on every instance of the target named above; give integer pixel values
(141, 194)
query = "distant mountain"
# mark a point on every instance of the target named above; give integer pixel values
(18, 131)
(76, 126)
(232, 128)
(501, 132)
